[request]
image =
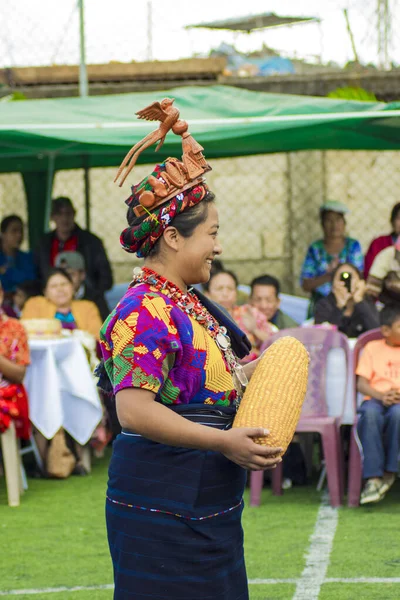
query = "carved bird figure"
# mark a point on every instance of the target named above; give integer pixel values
(168, 116)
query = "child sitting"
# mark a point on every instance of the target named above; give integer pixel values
(379, 415)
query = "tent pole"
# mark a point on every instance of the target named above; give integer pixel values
(87, 197)
(38, 186)
(49, 190)
(83, 79)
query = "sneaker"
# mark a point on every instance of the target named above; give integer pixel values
(387, 482)
(371, 491)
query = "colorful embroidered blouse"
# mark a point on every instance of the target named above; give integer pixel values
(317, 261)
(13, 342)
(13, 398)
(148, 342)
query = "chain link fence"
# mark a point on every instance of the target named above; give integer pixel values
(268, 206)
(38, 33)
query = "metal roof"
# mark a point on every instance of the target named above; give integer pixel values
(252, 22)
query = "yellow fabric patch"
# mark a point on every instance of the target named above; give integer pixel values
(159, 310)
(156, 353)
(132, 320)
(218, 378)
(147, 385)
(208, 401)
(121, 336)
(141, 349)
(106, 345)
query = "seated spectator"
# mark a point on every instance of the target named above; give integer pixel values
(383, 281)
(324, 255)
(23, 292)
(64, 455)
(265, 297)
(74, 264)
(349, 310)
(68, 236)
(58, 302)
(14, 358)
(222, 288)
(16, 266)
(379, 415)
(383, 241)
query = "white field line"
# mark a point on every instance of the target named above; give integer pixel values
(330, 580)
(78, 588)
(270, 581)
(319, 551)
(363, 580)
(110, 586)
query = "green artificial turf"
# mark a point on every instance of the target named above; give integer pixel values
(367, 541)
(360, 591)
(272, 592)
(277, 532)
(57, 538)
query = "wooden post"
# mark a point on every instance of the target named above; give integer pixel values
(9, 448)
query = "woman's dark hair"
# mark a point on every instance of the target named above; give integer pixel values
(6, 222)
(347, 264)
(186, 222)
(56, 271)
(221, 272)
(30, 288)
(395, 212)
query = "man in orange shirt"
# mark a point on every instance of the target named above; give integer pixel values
(379, 415)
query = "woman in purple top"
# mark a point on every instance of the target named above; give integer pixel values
(178, 470)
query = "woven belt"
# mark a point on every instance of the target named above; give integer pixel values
(219, 418)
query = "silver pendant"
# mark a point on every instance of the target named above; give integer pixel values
(241, 375)
(222, 341)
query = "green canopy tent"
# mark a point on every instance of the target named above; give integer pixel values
(38, 137)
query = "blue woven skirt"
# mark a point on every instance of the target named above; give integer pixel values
(174, 518)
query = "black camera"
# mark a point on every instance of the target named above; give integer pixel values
(346, 278)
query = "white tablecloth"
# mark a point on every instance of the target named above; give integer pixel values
(339, 386)
(61, 389)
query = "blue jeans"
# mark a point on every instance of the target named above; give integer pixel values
(378, 428)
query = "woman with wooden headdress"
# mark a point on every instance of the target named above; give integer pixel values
(178, 470)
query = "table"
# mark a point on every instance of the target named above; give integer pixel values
(61, 389)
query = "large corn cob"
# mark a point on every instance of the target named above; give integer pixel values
(275, 394)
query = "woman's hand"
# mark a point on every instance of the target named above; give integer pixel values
(341, 294)
(359, 291)
(249, 320)
(239, 447)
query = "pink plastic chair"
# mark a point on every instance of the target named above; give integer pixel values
(355, 460)
(314, 416)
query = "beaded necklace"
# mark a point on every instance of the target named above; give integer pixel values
(191, 305)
